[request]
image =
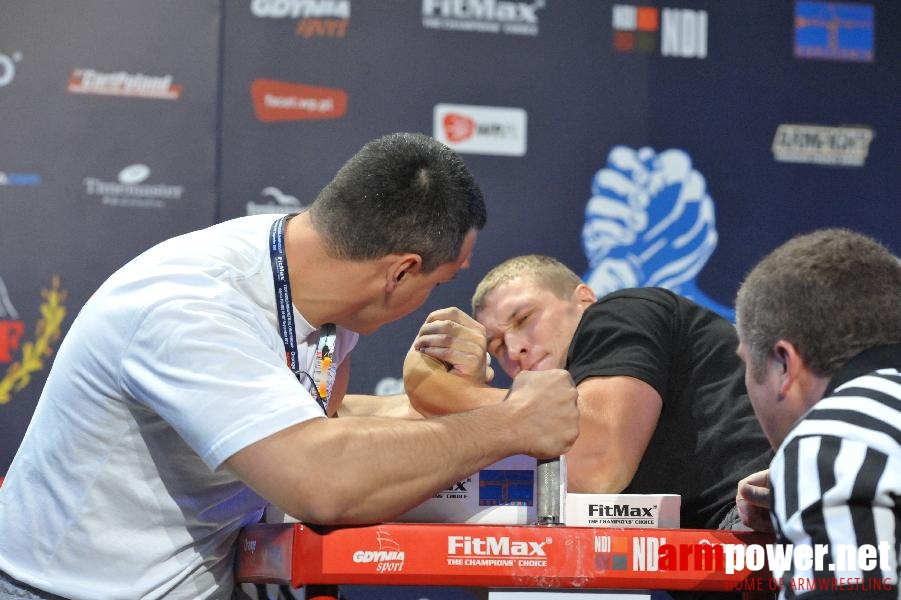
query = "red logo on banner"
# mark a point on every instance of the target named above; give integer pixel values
(458, 128)
(283, 101)
(10, 334)
(122, 83)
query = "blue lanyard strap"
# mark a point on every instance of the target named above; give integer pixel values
(324, 369)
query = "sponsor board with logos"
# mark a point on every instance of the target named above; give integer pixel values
(488, 556)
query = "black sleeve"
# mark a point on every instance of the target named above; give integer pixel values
(629, 332)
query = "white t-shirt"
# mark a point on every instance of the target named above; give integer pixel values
(172, 366)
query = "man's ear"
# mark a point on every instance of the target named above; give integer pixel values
(799, 384)
(400, 267)
(584, 296)
(790, 364)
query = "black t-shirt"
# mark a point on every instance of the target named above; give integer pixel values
(707, 437)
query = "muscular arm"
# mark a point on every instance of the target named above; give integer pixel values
(434, 390)
(446, 369)
(618, 416)
(360, 405)
(368, 469)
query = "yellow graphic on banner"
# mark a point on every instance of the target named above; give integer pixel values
(47, 331)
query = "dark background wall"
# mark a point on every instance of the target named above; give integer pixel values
(124, 123)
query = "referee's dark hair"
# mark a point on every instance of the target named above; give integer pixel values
(832, 293)
(403, 192)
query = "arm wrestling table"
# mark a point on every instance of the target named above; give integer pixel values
(495, 556)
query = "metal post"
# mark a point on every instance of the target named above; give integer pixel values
(548, 483)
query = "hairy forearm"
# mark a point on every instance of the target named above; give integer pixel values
(433, 390)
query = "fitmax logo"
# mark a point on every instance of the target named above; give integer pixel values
(460, 486)
(492, 546)
(8, 67)
(619, 510)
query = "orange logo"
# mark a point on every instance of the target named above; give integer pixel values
(282, 101)
(458, 128)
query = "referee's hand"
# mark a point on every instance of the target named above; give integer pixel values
(753, 500)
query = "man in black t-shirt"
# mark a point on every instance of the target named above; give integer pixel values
(662, 395)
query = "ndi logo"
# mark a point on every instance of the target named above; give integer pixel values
(681, 32)
(8, 67)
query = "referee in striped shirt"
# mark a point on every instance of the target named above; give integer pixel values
(819, 324)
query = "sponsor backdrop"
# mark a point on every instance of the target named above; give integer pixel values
(663, 143)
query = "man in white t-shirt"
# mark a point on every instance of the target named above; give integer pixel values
(190, 390)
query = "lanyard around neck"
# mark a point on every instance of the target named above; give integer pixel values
(323, 377)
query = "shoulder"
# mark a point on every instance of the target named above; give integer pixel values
(642, 296)
(653, 309)
(865, 411)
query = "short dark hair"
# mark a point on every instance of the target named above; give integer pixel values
(832, 293)
(403, 192)
(548, 273)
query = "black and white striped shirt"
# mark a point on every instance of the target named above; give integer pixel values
(836, 483)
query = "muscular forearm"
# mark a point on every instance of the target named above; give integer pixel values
(591, 473)
(366, 469)
(433, 390)
(618, 416)
(389, 476)
(396, 406)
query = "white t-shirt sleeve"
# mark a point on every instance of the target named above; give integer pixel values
(214, 371)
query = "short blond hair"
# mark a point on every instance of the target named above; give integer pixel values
(549, 273)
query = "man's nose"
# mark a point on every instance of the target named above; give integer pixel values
(516, 348)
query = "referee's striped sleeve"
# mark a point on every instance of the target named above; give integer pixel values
(837, 483)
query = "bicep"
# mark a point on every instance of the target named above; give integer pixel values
(275, 466)
(618, 417)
